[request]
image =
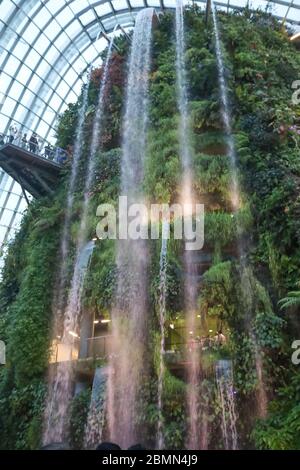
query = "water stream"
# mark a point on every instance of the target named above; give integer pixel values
(61, 390)
(235, 198)
(196, 438)
(162, 320)
(130, 312)
(59, 294)
(96, 415)
(224, 378)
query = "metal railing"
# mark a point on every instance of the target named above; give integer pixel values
(37, 146)
(100, 346)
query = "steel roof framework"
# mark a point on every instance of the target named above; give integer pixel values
(46, 46)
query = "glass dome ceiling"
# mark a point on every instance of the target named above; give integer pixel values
(46, 46)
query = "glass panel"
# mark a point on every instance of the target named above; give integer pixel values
(51, 54)
(12, 64)
(52, 30)
(103, 9)
(155, 3)
(30, 33)
(24, 74)
(41, 44)
(12, 201)
(42, 18)
(43, 68)
(5, 82)
(55, 5)
(61, 41)
(16, 90)
(294, 14)
(32, 59)
(119, 4)
(73, 29)
(8, 105)
(137, 3)
(20, 113)
(64, 17)
(7, 216)
(87, 18)
(238, 2)
(7, 8)
(20, 49)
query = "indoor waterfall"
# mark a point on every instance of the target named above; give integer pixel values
(59, 293)
(224, 378)
(196, 434)
(96, 414)
(162, 319)
(59, 396)
(60, 386)
(235, 198)
(129, 316)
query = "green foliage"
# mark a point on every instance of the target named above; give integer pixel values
(291, 300)
(281, 430)
(78, 418)
(260, 65)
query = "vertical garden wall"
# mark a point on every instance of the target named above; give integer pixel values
(261, 65)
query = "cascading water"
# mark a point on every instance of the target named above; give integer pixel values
(225, 110)
(59, 396)
(235, 198)
(129, 316)
(162, 319)
(59, 295)
(197, 434)
(96, 415)
(224, 378)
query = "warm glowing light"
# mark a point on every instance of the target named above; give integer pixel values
(191, 332)
(198, 316)
(172, 326)
(96, 322)
(295, 36)
(105, 321)
(75, 335)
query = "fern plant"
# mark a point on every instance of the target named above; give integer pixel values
(291, 300)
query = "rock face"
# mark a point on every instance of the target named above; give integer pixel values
(56, 446)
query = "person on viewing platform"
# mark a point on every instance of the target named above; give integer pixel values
(2, 139)
(13, 131)
(48, 152)
(33, 143)
(18, 138)
(60, 156)
(24, 141)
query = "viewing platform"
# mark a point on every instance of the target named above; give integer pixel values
(35, 173)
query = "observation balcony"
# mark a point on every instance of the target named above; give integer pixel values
(37, 173)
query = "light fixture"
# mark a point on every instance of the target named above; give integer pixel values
(75, 335)
(96, 322)
(295, 36)
(172, 326)
(191, 332)
(105, 321)
(210, 331)
(95, 239)
(198, 316)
